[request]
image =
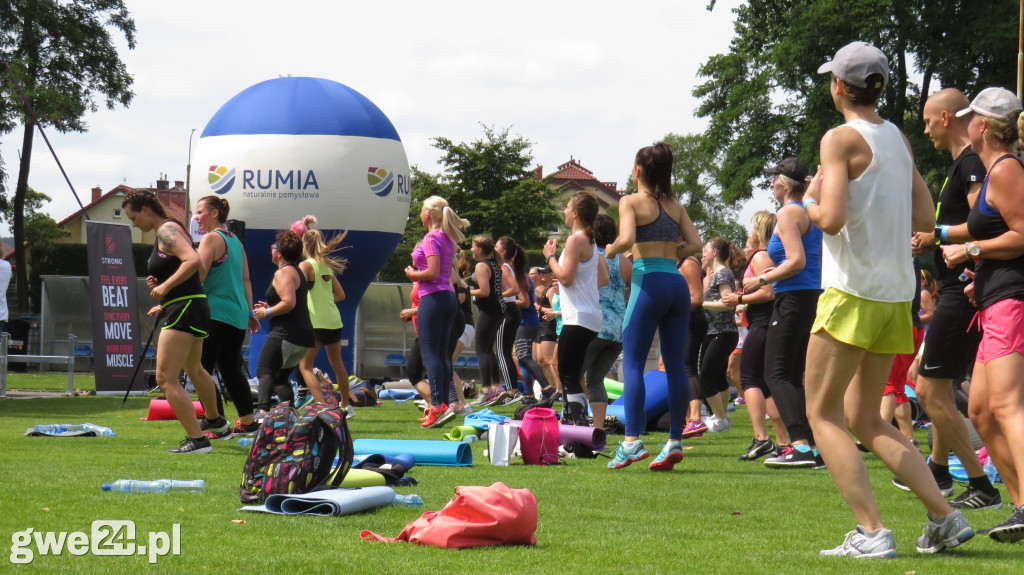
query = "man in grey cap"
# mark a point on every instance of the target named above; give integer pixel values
(867, 197)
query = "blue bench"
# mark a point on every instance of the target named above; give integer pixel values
(396, 359)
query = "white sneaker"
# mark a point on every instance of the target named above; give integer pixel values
(858, 544)
(351, 412)
(720, 425)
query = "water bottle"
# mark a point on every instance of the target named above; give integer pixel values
(158, 486)
(411, 500)
(469, 438)
(245, 442)
(71, 428)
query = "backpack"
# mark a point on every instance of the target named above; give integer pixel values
(297, 452)
(331, 397)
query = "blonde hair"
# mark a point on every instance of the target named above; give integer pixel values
(1004, 131)
(450, 222)
(313, 246)
(764, 224)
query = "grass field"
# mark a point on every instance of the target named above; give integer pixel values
(714, 514)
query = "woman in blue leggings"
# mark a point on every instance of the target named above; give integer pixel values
(651, 221)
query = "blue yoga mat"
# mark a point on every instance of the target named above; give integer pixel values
(398, 394)
(426, 452)
(405, 460)
(328, 502)
(655, 398)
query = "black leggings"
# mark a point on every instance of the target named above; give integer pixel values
(487, 324)
(572, 348)
(714, 362)
(785, 354)
(223, 350)
(506, 343)
(278, 359)
(752, 360)
(524, 355)
(694, 340)
(600, 357)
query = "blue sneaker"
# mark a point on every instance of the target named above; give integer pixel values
(623, 457)
(670, 455)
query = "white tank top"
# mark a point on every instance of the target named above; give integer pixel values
(870, 256)
(581, 304)
(507, 269)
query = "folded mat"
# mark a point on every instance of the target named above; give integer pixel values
(397, 394)
(334, 502)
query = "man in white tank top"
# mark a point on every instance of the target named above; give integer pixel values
(867, 198)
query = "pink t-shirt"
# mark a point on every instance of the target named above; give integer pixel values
(435, 243)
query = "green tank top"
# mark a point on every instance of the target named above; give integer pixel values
(323, 311)
(223, 285)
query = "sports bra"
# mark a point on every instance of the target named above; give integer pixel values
(663, 229)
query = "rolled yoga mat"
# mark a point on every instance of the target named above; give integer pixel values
(594, 438)
(426, 452)
(327, 502)
(655, 398)
(362, 478)
(612, 386)
(457, 433)
(160, 410)
(398, 394)
(405, 460)
(400, 384)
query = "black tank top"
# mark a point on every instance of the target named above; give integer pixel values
(994, 280)
(466, 305)
(758, 314)
(294, 326)
(162, 266)
(493, 303)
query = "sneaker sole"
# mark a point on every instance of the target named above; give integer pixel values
(218, 437)
(700, 433)
(754, 455)
(200, 450)
(630, 461)
(967, 505)
(946, 491)
(668, 463)
(442, 421)
(800, 465)
(962, 537)
(1010, 534)
(889, 554)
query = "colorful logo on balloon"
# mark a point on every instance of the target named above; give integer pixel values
(221, 179)
(380, 180)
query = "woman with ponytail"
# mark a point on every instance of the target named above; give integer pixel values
(321, 269)
(433, 264)
(580, 271)
(722, 334)
(513, 270)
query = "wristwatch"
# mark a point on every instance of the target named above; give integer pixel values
(761, 281)
(973, 249)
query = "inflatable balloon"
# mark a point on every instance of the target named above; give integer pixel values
(288, 147)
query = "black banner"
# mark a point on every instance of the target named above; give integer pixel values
(113, 291)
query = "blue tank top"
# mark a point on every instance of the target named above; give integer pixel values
(810, 276)
(663, 229)
(529, 315)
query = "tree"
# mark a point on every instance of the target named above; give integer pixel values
(63, 56)
(40, 229)
(489, 183)
(765, 99)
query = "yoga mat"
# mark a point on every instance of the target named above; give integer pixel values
(592, 437)
(400, 384)
(160, 410)
(362, 478)
(327, 502)
(398, 394)
(426, 452)
(457, 433)
(655, 398)
(405, 460)
(612, 386)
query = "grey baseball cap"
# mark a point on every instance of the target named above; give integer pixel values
(996, 103)
(856, 61)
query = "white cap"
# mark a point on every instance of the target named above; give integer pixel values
(996, 103)
(856, 61)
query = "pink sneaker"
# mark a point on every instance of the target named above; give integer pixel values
(694, 428)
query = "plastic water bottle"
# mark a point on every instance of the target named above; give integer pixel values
(245, 442)
(158, 486)
(399, 401)
(469, 438)
(69, 428)
(411, 500)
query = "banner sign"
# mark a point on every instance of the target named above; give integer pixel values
(113, 294)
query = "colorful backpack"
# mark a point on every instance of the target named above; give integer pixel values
(331, 397)
(297, 452)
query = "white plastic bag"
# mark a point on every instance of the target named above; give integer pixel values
(502, 439)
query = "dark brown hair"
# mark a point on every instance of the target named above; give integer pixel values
(217, 203)
(585, 207)
(289, 245)
(865, 96)
(655, 164)
(516, 257)
(138, 199)
(605, 230)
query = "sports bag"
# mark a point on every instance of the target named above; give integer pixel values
(297, 452)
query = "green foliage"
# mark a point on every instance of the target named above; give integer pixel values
(694, 179)
(765, 99)
(488, 182)
(40, 229)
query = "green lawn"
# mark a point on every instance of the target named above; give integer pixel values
(714, 514)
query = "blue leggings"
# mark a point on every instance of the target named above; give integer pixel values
(436, 316)
(659, 299)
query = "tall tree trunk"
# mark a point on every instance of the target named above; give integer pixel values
(21, 271)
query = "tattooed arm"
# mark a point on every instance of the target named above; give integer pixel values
(171, 239)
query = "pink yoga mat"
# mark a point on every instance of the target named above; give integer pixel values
(160, 410)
(592, 437)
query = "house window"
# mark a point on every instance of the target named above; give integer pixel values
(117, 212)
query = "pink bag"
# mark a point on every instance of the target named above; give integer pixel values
(539, 437)
(477, 516)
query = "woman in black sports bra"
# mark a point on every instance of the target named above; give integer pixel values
(174, 281)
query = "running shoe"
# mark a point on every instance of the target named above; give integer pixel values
(529, 400)
(548, 393)
(513, 399)
(792, 458)
(421, 403)
(978, 499)
(863, 546)
(946, 533)
(719, 425)
(464, 410)
(670, 455)
(494, 397)
(438, 417)
(350, 412)
(481, 397)
(624, 457)
(1011, 530)
(946, 487)
(758, 449)
(694, 428)
(191, 445)
(240, 428)
(740, 401)
(219, 426)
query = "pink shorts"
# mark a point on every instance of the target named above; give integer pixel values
(1002, 324)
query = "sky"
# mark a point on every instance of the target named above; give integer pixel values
(591, 80)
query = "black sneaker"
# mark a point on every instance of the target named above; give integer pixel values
(217, 426)
(791, 458)
(549, 394)
(190, 445)
(819, 461)
(1011, 530)
(978, 499)
(529, 400)
(758, 449)
(946, 487)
